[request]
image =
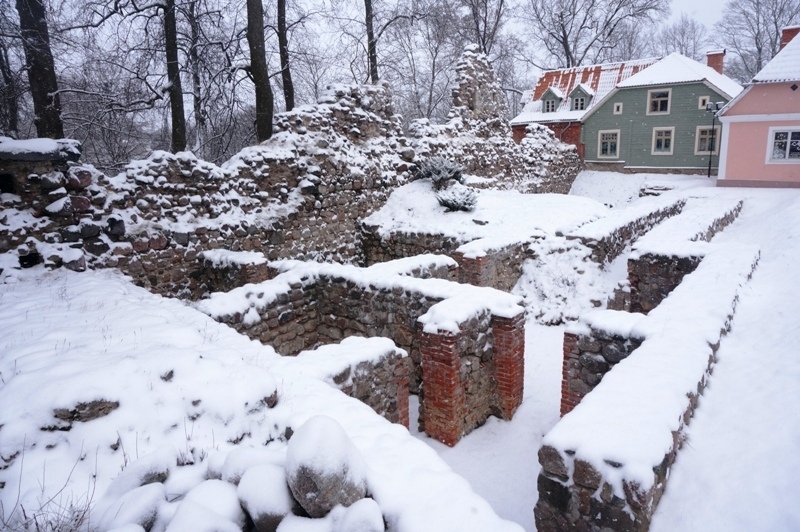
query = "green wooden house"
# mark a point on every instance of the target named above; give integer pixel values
(657, 119)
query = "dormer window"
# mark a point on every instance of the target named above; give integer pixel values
(580, 97)
(551, 99)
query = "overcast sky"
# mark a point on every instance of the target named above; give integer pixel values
(707, 12)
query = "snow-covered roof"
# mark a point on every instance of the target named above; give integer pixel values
(595, 80)
(584, 87)
(555, 91)
(677, 68)
(785, 66)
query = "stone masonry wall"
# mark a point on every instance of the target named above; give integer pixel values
(619, 230)
(486, 358)
(382, 385)
(652, 277)
(498, 269)
(587, 358)
(587, 480)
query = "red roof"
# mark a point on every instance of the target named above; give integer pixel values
(568, 78)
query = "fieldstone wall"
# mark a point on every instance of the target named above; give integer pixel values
(477, 136)
(609, 236)
(301, 309)
(400, 245)
(662, 258)
(223, 270)
(497, 268)
(587, 480)
(652, 277)
(587, 358)
(374, 371)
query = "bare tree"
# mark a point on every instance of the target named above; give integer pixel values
(575, 32)
(685, 36)
(258, 69)
(751, 30)
(41, 68)
(484, 21)
(174, 86)
(283, 52)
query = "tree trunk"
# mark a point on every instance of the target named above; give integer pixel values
(9, 117)
(194, 59)
(258, 69)
(41, 69)
(174, 78)
(372, 53)
(283, 48)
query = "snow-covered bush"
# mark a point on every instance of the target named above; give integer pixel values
(457, 197)
(441, 172)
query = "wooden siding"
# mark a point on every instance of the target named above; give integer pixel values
(636, 126)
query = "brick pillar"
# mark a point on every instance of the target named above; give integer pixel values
(509, 362)
(569, 397)
(474, 271)
(444, 401)
(401, 381)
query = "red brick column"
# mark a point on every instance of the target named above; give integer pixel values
(509, 362)
(474, 271)
(569, 398)
(444, 401)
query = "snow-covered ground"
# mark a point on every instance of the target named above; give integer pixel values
(67, 338)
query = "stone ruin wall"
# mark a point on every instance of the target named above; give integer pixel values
(300, 195)
(498, 269)
(461, 378)
(587, 358)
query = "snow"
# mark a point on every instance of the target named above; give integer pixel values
(785, 66)
(12, 147)
(226, 258)
(677, 68)
(413, 208)
(99, 337)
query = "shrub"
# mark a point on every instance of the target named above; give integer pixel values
(441, 172)
(457, 197)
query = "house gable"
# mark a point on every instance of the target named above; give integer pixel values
(654, 140)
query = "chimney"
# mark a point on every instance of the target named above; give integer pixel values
(787, 34)
(715, 59)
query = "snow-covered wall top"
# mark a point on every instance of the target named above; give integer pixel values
(627, 425)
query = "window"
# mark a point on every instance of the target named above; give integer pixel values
(662, 140)
(706, 140)
(702, 101)
(784, 145)
(618, 108)
(608, 144)
(549, 106)
(578, 104)
(658, 102)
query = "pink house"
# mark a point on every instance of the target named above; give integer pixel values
(761, 127)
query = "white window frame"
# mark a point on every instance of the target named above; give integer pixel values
(771, 141)
(669, 101)
(600, 142)
(702, 101)
(697, 140)
(618, 108)
(671, 141)
(582, 100)
(547, 103)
